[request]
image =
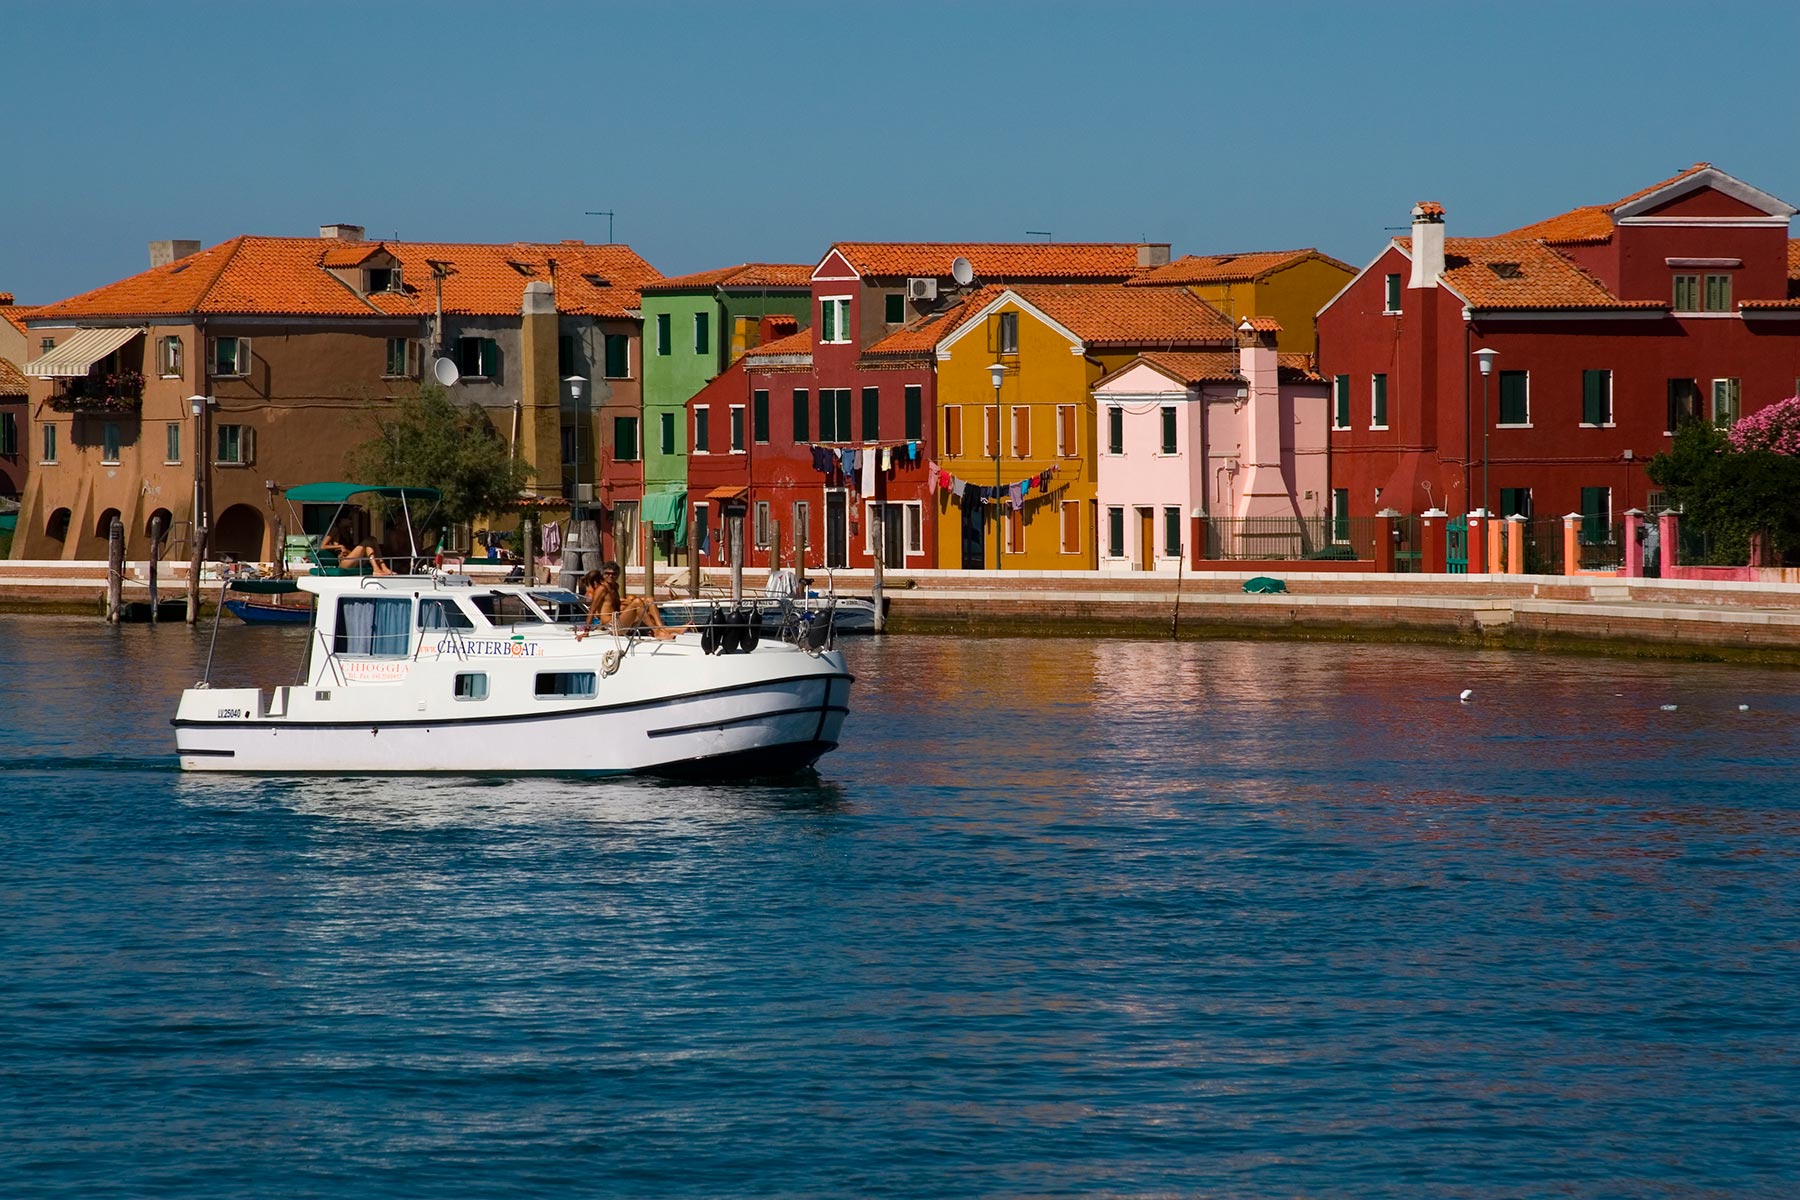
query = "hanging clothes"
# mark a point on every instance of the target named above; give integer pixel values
(887, 459)
(958, 488)
(552, 539)
(1015, 495)
(868, 473)
(931, 479)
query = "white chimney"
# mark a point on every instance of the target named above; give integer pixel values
(341, 232)
(174, 250)
(1427, 244)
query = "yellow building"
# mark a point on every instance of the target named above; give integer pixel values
(1034, 435)
(1288, 285)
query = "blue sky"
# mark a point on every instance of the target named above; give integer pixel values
(763, 131)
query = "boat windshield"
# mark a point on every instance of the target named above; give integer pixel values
(562, 606)
(506, 608)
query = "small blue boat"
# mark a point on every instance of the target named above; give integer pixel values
(261, 602)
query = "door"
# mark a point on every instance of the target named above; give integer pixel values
(1146, 547)
(1456, 545)
(893, 535)
(837, 529)
(974, 534)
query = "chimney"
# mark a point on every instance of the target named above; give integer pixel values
(1427, 244)
(6, 299)
(775, 326)
(341, 233)
(1153, 254)
(164, 253)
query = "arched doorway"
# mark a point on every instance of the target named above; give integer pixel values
(103, 527)
(57, 527)
(239, 533)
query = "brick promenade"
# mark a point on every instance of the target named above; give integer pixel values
(1711, 620)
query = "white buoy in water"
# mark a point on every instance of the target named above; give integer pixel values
(1668, 708)
(1743, 708)
(1468, 694)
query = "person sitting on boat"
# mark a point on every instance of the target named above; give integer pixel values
(609, 606)
(365, 550)
(334, 542)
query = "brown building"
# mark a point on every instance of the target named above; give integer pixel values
(293, 345)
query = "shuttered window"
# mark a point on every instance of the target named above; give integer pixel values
(1065, 430)
(802, 415)
(1596, 397)
(952, 430)
(625, 439)
(759, 417)
(618, 356)
(1515, 402)
(1378, 417)
(1596, 514)
(1168, 429)
(871, 414)
(1115, 430)
(1115, 533)
(1071, 526)
(915, 412)
(1340, 413)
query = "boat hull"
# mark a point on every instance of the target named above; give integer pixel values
(718, 728)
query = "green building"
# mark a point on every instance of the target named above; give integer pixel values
(694, 327)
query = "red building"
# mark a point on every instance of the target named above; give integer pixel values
(825, 432)
(1608, 325)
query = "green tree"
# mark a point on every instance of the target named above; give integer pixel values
(426, 440)
(1729, 494)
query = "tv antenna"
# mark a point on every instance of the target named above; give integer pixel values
(1043, 233)
(608, 214)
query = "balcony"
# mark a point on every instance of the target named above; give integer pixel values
(120, 392)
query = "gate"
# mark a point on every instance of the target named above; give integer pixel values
(1456, 546)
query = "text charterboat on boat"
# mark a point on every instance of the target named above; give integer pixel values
(431, 672)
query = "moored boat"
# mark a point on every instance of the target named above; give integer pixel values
(433, 673)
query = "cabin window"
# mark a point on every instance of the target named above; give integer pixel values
(556, 685)
(438, 612)
(471, 685)
(504, 608)
(373, 626)
(562, 606)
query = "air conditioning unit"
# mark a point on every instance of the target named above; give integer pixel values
(921, 288)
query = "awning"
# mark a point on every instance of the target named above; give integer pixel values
(73, 358)
(728, 493)
(664, 510)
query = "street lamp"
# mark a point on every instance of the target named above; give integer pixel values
(197, 405)
(578, 511)
(997, 372)
(1485, 357)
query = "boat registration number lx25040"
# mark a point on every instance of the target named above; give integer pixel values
(230, 714)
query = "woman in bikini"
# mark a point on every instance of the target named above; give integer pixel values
(609, 606)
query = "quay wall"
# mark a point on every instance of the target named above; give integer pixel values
(1709, 619)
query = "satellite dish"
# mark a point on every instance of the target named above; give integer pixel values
(445, 372)
(962, 272)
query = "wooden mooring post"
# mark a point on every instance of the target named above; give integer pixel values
(875, 588)
(156, 549)
(115, 569)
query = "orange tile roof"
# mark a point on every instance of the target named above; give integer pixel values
(1593, 222)
(1115, 315)
(1231, 268)
(793, 343)
(995, 262)
(1793, 259)
(1261, 324)
(1521, 273)
(12, 382)
(920, 338)
(1221, 366)
(287, 276)
(744, 275)
(17, 314)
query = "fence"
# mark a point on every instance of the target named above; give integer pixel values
(1543, 545)
(1599, 554)
(1291, 538)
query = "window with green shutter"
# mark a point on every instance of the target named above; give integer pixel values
(668, 432)
(1340, 514)
(802, 432)
(662, 335)
(871, 414)
(1171, 532)
(1725, 402)
(1596, 397)
(1168, 429)
(915, 412)
(1596, 515)
(1115, 430)
(1718, 293)
(1393, 293)
(702, 435)
(565, 356)
(1115, 532)
(618, 356)
(1515, 502)
(625, 439)
(896, 309)
(1340, 415)
(1515, 403)
(843, 414)
(1687, 293)
(759, 416)
(827, 416)
(702, 333)
(1378, 402)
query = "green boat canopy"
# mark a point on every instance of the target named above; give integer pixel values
(343, 493)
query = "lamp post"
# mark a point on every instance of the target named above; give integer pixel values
(577, 510)
(197, 521)
(1485, 357)
(997, 372)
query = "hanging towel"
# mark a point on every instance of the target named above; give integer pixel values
(887, 459)
(552, 539)
(958, 488)
(1015, 495)
(868, 473)
(943, 477)
(912, 451)
(931, 479)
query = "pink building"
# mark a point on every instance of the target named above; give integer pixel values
(1220, 434)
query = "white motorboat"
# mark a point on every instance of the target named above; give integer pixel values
(786, 601)
(433, 673)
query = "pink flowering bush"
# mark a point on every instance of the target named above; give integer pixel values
(1775, 429)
